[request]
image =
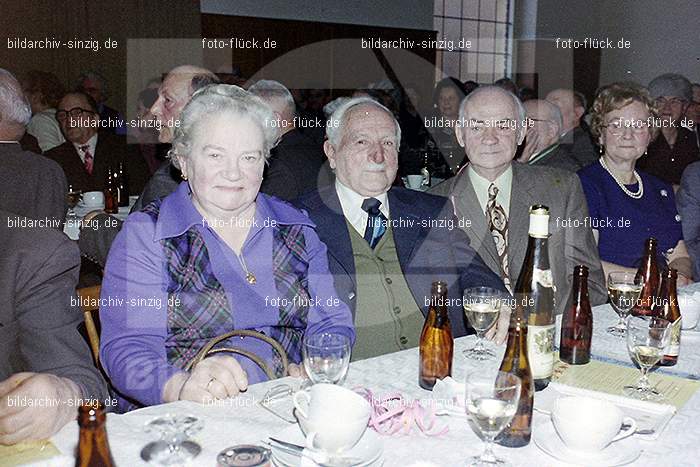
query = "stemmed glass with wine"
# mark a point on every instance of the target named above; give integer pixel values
(647, 337)
(491, 400)
(482, 305)
(624, 289)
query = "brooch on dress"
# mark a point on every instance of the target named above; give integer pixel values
(664, 193)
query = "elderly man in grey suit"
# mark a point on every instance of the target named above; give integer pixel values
(688, 204)
(490, 131)
(46, 368)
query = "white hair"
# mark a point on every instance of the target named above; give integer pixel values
(219, 99)
(14, 107)
(336, 122)
(273, 91)
(519, 108)
(553, 113)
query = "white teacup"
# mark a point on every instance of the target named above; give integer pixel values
(690, 311)
(589, 425)
(93, 199)
(415, 181)
(332, 418)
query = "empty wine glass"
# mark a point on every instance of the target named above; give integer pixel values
(326, 357)
(174, 447)
(482, 306)
(491, 400)
(647, 337)
(623, 289)
(72, 199)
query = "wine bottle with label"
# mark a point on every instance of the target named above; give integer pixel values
(666, 307)
(535, 292)
(577, 322)
(648, 275)
(436, 343)
(515, 361)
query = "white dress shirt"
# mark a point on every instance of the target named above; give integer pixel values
(481, 188)
(351, 202)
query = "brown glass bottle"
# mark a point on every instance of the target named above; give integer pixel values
(648, 274)
(666, 307)
(436, 342)
(577, 322)
(515, 361)
(93, 446)
(111, 196)
(534, 290)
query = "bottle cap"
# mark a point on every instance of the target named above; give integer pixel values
(539, 221)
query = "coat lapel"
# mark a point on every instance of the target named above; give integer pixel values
(405, 237)
(518, 221)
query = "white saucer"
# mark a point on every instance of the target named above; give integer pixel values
(369, 448)
(618, 453)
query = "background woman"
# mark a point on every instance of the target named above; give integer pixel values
(212, 257)
(628, 206)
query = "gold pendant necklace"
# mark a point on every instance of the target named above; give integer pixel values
(249, 276)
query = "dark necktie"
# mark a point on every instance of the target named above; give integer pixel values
(88, 158)
(376, 221)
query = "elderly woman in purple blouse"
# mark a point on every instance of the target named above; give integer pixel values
(214, 256)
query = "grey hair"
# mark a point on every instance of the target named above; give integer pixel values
(554, 114)
(329, 108)
(269, 90)
(93, 76)
(520, 109)
(336, 122)
(14, 107)
(218, 99)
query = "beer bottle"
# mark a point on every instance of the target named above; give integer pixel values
(111, 197)
(577, 322)
(666, 307)
(93, 446)
(122, 186)
(515, 361)
(535, 291)
(648, 275)
(436, 343)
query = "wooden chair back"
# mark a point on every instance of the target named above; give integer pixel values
(89, 299)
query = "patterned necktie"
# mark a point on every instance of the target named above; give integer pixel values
(88, 158)
(376, 221)
(498, 225)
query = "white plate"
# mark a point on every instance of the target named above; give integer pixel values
(648, 415)
(618, 453)
(369, 448)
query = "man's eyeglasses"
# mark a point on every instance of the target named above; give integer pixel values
(618, 128)
(673, 102)
(75, 112)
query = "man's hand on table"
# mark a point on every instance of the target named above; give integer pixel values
(49, 412)
(217, 377)
(499, 331)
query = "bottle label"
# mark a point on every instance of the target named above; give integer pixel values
(540, 350)
(544, 277)
(674, 348)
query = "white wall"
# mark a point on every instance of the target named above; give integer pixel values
(410, 14)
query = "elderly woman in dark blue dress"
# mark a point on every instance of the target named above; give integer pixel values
(628, 206)
(212, 257)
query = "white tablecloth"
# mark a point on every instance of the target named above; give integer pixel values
(240, 421)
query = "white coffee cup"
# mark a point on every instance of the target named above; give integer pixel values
(415, 181)
(94, 199)
(690, 311)
(332, 418)
(589, 425)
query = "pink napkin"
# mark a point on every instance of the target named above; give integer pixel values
(392, 414)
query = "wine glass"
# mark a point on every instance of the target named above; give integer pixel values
(647, 337)
(491, 400)
(73, 198)
(482, 306)
(623, 289)
(174, 447)
(326, 357)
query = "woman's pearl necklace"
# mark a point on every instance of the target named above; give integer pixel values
(640, 191)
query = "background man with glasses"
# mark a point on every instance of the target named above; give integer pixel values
(674, 147)
(88, 153)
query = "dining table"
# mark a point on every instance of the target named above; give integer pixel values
(241, 420)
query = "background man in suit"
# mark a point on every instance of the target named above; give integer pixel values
(574, 138)
(386, 244)
(688, 203)
(296, 162)
(95, 85)
(30, 185)
(42, 355)
(493, 187)
(88, 154)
